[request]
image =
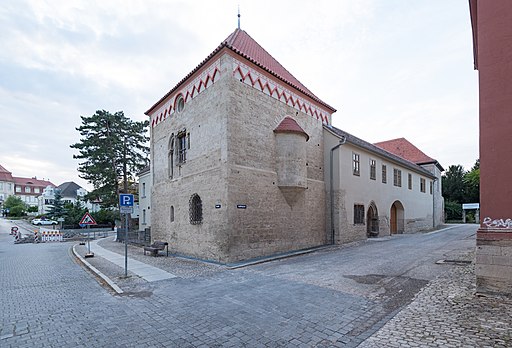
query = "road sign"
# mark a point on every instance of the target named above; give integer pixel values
(87, 220)
(126, 200)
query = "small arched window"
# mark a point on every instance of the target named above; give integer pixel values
(172, 213)
(195, 209)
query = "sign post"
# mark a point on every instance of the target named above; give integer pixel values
(126, 207)
(88, 220)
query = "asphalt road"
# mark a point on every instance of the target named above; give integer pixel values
(338, 296)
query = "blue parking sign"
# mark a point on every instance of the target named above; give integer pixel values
(126, 200)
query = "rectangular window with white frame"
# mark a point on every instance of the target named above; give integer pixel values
(384, 174)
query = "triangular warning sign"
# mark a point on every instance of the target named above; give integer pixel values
(87, 220)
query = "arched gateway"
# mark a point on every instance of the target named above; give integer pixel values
(396, 218)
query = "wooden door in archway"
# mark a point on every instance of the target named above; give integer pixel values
(393, 220)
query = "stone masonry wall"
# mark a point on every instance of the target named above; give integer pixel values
(269, 224)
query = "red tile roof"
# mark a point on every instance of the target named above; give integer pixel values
(242, 44)
(32, 182)
(403, 148)
(5, 175)
(289, 125)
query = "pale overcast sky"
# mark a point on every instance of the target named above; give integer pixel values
(392, 68)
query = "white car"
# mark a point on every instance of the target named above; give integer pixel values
(40, 222)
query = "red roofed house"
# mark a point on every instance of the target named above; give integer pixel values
(492, 46)
(240, 165)
(28, 189)
(6, 185)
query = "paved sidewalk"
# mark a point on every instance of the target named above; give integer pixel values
(147, 272)
(448, 313)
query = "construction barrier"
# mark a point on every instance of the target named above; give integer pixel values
(50, 235)
(37, 236)
(14, 229)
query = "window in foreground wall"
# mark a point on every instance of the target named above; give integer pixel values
(409, 181)
(195, 209)
(172, 213)
(180, 104)
(384, 174)
(422, 185)
(431, 187)
(397, 177)
(355, 164)
(358, 214)
(182, 147)
(373, 169)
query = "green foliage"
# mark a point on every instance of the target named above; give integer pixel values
(453, 184)
(105, 216)
(74, 212)
(32, 209)
(57, 209)
(16, 206)
(17, 210)
(114, 149)
(13, 201)
(453, 210)
(472, 184)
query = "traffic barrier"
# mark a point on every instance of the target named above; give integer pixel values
(37, 237)
(51, 235)
(14, 229)
(17, 237)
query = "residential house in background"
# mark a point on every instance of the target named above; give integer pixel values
(28, 189)
(6, 185)
(70, 192)
(145, 199)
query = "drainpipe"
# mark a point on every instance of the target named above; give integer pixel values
(342, 141)
(434, 203)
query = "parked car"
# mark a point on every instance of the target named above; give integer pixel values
(40, 222)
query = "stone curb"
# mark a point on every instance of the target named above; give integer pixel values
(107, 280)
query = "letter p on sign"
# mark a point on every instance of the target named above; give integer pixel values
(126, 200)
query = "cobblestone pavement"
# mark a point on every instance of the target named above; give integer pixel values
(336, 297)
(448, 313)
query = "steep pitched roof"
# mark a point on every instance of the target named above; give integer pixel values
(68, 189)
(244, 45)
(5, 175)
(405, 149)
(379, 151)
(289, 125)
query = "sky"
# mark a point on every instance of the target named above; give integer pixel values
(391, 68)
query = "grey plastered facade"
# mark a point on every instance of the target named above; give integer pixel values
(231, 164)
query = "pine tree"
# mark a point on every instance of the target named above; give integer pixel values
(57, 209)
(114, 148)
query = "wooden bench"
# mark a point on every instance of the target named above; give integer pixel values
(156, 247)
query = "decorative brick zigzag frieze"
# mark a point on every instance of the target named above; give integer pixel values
(189, 91)
(262, 83)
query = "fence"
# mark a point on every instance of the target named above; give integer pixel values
(135, 237)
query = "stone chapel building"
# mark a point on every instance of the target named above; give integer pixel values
(238, 164)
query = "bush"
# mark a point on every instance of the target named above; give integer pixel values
(17, 211)
(453, 210)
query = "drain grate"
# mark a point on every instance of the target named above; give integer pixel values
(454, 262)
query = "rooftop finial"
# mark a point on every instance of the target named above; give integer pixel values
(238, 16)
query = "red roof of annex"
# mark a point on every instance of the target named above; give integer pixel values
(403, 148)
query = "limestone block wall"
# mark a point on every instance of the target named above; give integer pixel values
(268, 224)
(204, 121)
(494, 261)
